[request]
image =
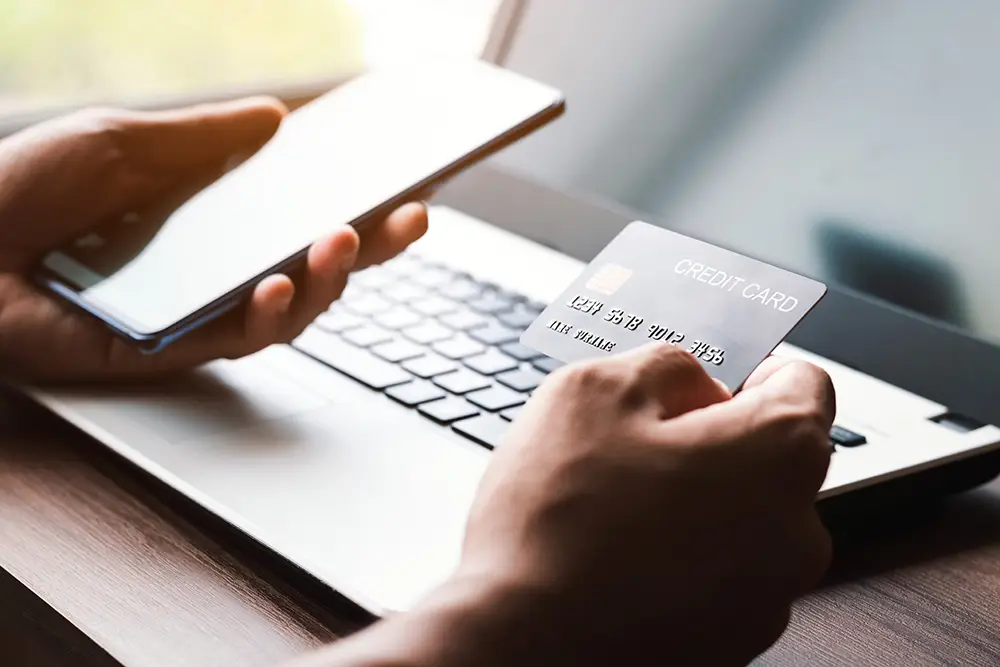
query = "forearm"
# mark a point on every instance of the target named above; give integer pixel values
(464, 623)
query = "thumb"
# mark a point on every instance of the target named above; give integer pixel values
(200, 136)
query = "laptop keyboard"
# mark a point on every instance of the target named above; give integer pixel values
(434, 340)
(444, 344)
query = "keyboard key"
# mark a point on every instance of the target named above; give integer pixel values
(463, 320)
(339, 321)
(433, 306)
(462, 381)
(519, 318)
(486, 430)
(416, 393)
(397, 351)
(373, 278)
(535, 306)
(448, 410)
(842, 437)
(491, 303)
(428, 333)
(496, 398)
(353, 292)
(404, 292)
(512, 414)
(513, 296)
(520, 352)
(433, 277)
(370, 304)
(495, 334)
(359, 364)
(491, 363)
(460, 290)
(458, 347)
(547, 364)
(523, 379)
(428, 366)
(399, 317)
(367, 336)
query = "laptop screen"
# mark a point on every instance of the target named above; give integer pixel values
(857, 142)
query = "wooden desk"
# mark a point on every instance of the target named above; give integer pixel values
(99, 570)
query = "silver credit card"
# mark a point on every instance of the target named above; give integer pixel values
(650, 284)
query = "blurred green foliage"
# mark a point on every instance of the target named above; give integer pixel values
(57, 51)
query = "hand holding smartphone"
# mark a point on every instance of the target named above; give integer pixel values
(350, 157)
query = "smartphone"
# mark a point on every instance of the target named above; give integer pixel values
(350, 157)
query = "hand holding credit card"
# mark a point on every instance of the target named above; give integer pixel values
(653, 285)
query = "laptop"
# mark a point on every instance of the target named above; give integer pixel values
(355, 452)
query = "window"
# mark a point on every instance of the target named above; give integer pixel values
(62, 53)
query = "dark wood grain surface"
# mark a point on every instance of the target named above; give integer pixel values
(125, 570)
(101, 568)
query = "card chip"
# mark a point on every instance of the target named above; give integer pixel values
(609, 279)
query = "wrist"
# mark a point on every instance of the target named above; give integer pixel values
(472, 619)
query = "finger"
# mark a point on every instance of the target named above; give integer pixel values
(795, 388)
(228, 337)
(269, 305)
(807, 385)
(393, 235)
(674, 378)
(765, 370)
(201, 136)
(273, 315)
(328, 264)
(779, 427)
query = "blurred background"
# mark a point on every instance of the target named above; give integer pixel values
(856, 141)
(57, 53)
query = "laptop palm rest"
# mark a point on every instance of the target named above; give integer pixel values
(367, 496)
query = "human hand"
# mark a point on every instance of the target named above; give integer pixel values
(64, 177)
(638, 515)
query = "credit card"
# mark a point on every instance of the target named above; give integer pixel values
(650, 284)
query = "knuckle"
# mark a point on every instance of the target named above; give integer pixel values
(105, 126)
(802, 413)
(587, 376)
(665, 365)
(598, 384)
(670, 359)
(796, 421)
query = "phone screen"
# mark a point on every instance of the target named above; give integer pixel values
(331, 162)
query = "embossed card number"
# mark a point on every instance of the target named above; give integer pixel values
(631, 322)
